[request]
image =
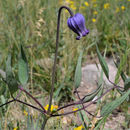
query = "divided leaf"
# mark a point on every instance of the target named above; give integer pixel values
(10, 79)
(78, 72)
(109, 107)
(102, 63)
(22, 68)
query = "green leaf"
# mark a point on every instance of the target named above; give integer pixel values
(2, 88)
(103, 120)
(127, 84)
(82, 119)
(78, 72)
(10, 79)
(102, 63)
(91, 96)
(120, 68)
(123, 76)
(22, 68)
(109, 107)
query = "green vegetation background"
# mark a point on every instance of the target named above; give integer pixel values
(32, 23)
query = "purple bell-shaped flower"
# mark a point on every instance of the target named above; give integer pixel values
(77, 24)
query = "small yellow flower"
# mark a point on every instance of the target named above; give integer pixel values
(25, 113)
(79, 127)
(53, 107)
(93, 0)
(95, 12)
(123, 7)
(82, 7)
(16, 128)
(117, 9)
(95, 5)
(72, 7)
(75, 109)
(93, 20)
(71, 2)
(106, 6)
(129, 0)
(86, 3)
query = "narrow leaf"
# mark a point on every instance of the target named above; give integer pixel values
(102, 63)
(120, 68)
(82, 119)
(123, 76)
(78, 72)
(127, 84)
(22, 68)
(10, 79)
(91, 96)
(109, 107)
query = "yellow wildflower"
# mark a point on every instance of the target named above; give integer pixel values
(93, 0)
(75, 109)
(129, 0)
(16, 128)
(95, 12)
(93, 20)
(72, 7)
(82, 7)
(95, 5)
(79, 127)
(71, 2)
(53, 107)
(117, 9)
(86, 3)
(123, 8)
(25, 113)
(106, 6)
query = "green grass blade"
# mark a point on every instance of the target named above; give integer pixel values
(82, 119)
(102, 63)
(120, 68)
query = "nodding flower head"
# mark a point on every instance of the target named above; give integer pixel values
(77, 24)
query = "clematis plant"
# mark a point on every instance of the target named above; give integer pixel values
(77, 24)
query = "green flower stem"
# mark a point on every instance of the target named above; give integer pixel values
(56, 53)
